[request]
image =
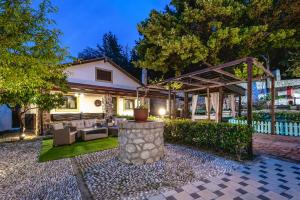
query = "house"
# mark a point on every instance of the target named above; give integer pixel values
(99, 88)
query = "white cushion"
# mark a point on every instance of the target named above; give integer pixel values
(57, 126)
(88, 123)
(79, 124)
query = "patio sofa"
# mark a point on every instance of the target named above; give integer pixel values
(87, 129)
(90, 129)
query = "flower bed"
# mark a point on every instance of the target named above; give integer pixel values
(234, 140)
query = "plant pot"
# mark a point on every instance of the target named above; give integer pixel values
(140, 114)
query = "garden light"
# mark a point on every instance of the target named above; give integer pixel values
(22, 136)
(162, 111)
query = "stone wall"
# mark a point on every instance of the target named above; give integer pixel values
(141, 143)
(108, 105)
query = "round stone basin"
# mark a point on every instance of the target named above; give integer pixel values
(141, 142)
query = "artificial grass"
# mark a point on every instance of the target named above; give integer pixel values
(48, 152)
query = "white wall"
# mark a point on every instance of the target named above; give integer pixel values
(85, 73)
(86, 104)
(5, 118)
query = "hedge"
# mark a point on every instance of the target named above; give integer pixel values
(231, 139)
(280, 116)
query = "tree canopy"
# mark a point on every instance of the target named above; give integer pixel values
(188, 32)
(30, 55)
(111, 48)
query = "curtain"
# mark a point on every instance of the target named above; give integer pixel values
(215, 102)
(194, 105)
(206, 104)
(232, 105)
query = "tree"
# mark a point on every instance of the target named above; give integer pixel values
(111, 48)
(30, 57)
(188, 32)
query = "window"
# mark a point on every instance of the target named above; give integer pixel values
(128, 104)
(70, 102)
(103, 75)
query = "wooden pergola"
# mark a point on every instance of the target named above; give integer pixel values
(218, 78)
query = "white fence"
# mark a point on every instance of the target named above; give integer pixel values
(281, 128)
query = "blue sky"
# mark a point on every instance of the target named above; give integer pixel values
(83, 22)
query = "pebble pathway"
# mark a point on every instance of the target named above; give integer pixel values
(22, 177)
(108, 178)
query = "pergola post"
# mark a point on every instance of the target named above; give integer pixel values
(170, 104)
(208, 104)
(221, 98)
(137, 97)
(272, 105)
(240, 106)
(174, 105)
(249, 97)
(186, 104)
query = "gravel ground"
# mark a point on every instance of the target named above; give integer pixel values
(108, 178)
(22, 177)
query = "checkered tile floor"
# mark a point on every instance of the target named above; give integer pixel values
(268, 179)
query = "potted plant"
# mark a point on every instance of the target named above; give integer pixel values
(141, 113)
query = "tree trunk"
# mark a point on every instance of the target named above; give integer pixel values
(21, 116)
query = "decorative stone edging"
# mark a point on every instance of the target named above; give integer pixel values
(141, 143)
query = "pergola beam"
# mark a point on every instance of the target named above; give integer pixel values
(225, 84)
(205, 80)
(191, 84)
(226, 74)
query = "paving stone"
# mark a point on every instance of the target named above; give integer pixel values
(170, 198)
(206, 194)
(286, 195)
(190, 188)
(274, 196)
(195, 195)
(248, 196)
(240, 190)
(212, 187)
(157, 197)
(183, 196)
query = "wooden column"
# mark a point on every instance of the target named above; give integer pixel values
(170, 104)
(220, 112)
(174, 105)
(249, 98)
(240, 106)
(186, 105)
(272, 105)
(208, 104)
(249, 91)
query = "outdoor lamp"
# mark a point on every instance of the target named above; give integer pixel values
(22, 136)
(162, 111)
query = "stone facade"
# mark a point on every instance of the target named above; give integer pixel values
(141, 143)
(108, 105)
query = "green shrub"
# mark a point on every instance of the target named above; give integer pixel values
(228, 138)
(128, 117)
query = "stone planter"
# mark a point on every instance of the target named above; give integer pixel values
(141, 143)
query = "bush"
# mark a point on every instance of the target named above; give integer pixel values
(125, 116)
(228, 138)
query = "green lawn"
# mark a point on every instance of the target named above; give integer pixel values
(48, 152)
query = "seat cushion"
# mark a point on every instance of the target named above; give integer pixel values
(57, 126)
(79, 124)
(88, 123)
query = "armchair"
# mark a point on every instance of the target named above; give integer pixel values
(64, 136)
